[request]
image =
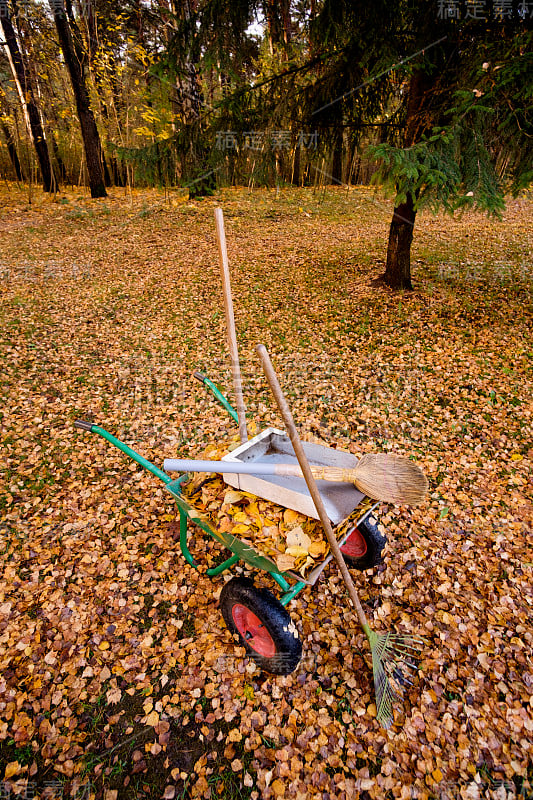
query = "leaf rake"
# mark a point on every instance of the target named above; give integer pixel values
(394, 656)
(394, 663)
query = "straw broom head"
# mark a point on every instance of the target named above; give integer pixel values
(390, 478)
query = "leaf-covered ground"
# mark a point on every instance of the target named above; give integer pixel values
(116, 671)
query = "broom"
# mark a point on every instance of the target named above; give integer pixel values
(393, 656)
(382, 476)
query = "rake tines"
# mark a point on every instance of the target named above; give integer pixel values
(394, 663)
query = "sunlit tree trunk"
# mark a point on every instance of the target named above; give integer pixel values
(279, 27)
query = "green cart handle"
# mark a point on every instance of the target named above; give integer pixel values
(218, 394)
(232, 543)
(92, 428)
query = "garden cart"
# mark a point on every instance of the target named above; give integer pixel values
(261, 621)
(281, 469)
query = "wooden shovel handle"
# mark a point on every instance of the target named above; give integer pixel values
(310, 481)
(230, 325)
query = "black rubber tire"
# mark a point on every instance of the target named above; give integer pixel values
(375, 542)
(274, 617)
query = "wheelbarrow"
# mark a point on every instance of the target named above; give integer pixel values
(252, 613)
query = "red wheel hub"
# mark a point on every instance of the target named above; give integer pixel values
(355, 545)
(253, 631)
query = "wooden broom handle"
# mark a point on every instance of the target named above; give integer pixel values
(310, 481)
(230, 324)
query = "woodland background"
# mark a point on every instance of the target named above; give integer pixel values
(432, 99)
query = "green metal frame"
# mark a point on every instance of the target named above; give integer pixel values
(241, 551)
(218, 394)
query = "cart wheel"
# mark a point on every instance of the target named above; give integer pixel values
(262, 625)
(364, 546)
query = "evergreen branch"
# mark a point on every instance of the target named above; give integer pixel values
(379, 75)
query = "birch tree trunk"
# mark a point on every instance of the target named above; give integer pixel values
(28, 102)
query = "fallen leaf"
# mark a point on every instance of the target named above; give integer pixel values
(13, 768)
(285, 562)
(113, 696)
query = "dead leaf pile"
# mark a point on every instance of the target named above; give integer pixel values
(295, 542)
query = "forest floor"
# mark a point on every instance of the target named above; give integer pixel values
(118, 678)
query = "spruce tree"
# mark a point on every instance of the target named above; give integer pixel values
(448, 123)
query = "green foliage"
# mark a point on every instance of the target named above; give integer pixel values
(164, 82)
(450, 169)
(153, 164)
(503, 83)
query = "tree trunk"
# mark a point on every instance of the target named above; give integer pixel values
(192, 148)
(57, 155)
(285, 12)
(76, 60)
(12, 150)
(398, 271)
(336, 164)
(27, 99)
(295, 177)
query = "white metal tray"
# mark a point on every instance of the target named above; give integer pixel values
(273, 445)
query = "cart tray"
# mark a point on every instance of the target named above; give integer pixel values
(274, 446)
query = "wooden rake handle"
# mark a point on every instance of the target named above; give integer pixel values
(230, 325)
(310, 481)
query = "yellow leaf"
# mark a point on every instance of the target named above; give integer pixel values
(13, 768)
(437, 775)
(291, 517)
(103, 646)
(232, 497)
(317, 549)
(297, 538)
(296, 551)
(516, 457)
(240, 529)
(240, 516)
